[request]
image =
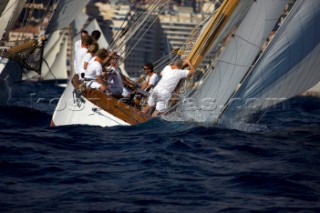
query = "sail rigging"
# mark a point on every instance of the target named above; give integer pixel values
(141, 19)
(225, 73)
(213, 28)
(29, 52)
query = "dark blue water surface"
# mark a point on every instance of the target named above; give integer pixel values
(158, 166)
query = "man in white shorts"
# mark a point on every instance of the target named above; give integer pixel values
(94, 71)
(170, 77)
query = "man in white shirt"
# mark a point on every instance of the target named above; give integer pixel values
(151, 79)
(77, 45)
(78, 64)
(170, 77)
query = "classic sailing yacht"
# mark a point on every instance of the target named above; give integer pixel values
(10, 71)
(240, 71)
(22, 56)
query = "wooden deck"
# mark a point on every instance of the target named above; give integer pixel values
(112, 105)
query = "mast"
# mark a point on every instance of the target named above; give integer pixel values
(214, 27)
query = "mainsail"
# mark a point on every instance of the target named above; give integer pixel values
(289, 66)
(208, 101)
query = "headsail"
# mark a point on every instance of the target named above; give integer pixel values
(289, 66)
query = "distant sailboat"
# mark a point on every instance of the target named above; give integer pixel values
(28, 53)
(10, 71)
(240, 71)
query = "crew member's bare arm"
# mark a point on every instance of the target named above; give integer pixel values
(192, 69)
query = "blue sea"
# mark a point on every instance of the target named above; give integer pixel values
(158, 166)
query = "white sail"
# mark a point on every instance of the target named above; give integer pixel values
(59, 66)
(289, 66)
(51, 51)
(206, 104)
(66, 12)
(78, 23)
(10, 11)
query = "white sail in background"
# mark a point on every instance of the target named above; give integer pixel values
(66, 12)
(289, 66)
(51, 51)
(10, 11)
(59, 66)
(78, 24)
(208, 102)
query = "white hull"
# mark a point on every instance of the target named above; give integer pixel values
(74, 109)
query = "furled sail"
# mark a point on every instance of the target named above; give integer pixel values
(289, 66)
(66, 12)
(9, 13)
(208, 101)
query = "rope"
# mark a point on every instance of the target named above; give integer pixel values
(28, 20)
(138, 25)
(45, 61)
